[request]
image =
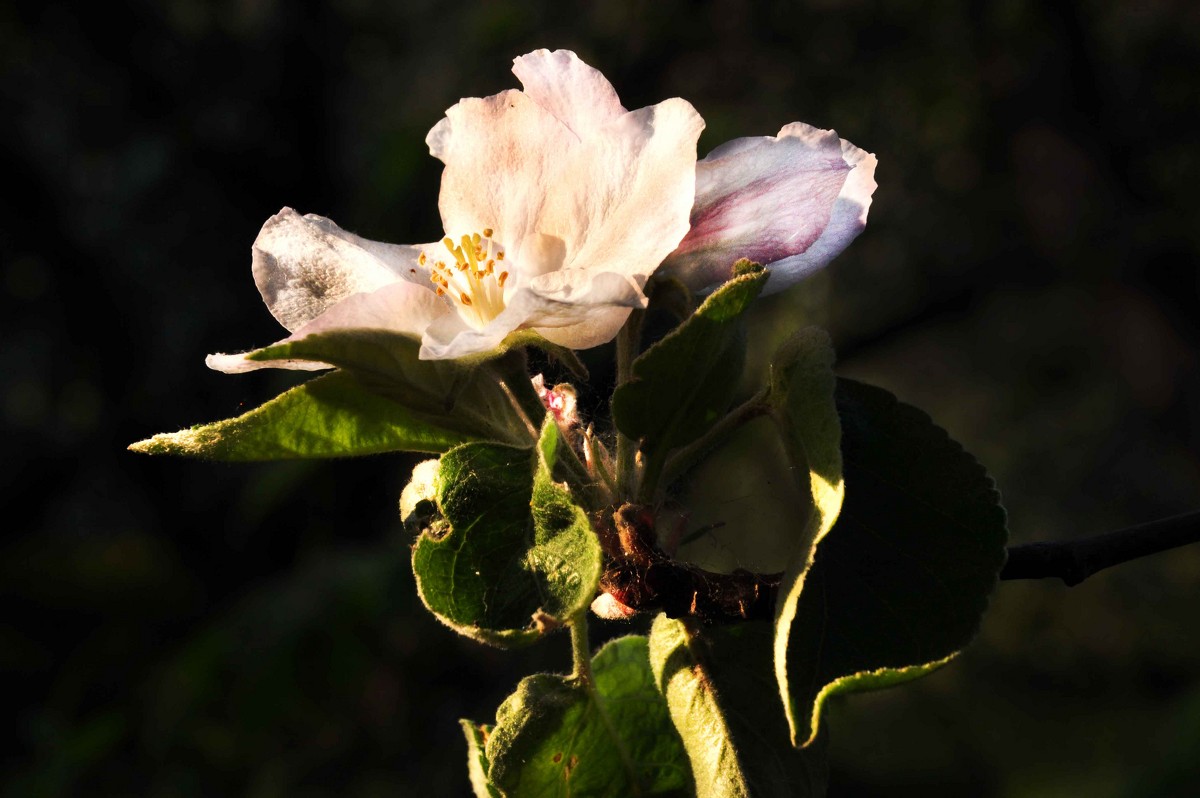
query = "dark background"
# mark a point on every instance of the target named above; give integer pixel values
(1028, 276)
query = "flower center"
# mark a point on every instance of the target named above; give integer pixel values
(474, 281)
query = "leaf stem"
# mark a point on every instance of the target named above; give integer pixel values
(581, 651)
(1073, 561)
(628, 340)
(683, 458)
(512, 369)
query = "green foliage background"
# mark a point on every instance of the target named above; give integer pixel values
(1028, 277)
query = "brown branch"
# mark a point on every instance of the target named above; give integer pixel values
(1072, 561)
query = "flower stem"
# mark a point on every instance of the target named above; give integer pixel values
(628, 340)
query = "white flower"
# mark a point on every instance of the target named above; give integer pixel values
(557, 206)
(791, 202)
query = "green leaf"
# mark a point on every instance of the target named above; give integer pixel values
(804, 410)
(330, 416)
(555, 736)
(461, 396)
(723, 700)
(900, 584)
(477, 761)
(507, 544)
(684, 383)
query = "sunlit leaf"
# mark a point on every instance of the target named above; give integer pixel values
(722, 697)
(465, 397)
(477, 762)
(330, 416)
(803, 408)
(555, 736)
(507, 544)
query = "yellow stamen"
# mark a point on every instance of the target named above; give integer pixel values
(465, 280)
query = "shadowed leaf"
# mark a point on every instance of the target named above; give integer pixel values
(899, 585)
(683, 383)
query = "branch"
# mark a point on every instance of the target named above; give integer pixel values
(1072, 561)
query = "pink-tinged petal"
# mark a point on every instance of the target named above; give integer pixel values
(403, 307)
(772, 199)
(614, 188)
(578, 95)
(570, 184)
(847, 220)
(623, 198)
(303, 265)
(502, 154)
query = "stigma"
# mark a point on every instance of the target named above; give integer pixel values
(473, 282)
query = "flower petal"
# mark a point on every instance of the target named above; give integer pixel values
(585, 197)
(774, 199)
(578, 95)
(303, 265)
(403, 307)
(580, 314)
(573, 309)
(502, 155)
(623, 197)
(615, 188)
(847, 220)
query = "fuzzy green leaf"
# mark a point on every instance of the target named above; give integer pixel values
(556, 737)
(899, 585)
(462, 396)
(683, 383)
(330, 416)
(477, 761)
(506, 544)
(723, 699)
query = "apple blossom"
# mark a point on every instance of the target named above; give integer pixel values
(792, 202)
(557, 204)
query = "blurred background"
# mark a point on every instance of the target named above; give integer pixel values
(1029, 277)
